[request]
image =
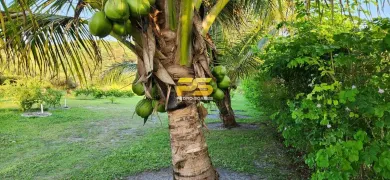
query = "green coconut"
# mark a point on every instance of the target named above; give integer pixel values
(160, 106)
(154, 92)
(219, 72)
(139, 7)
(213, 84)
(96, 4)
(138, 88)
(128, 27)
(119, 29)
(144, 108)
(100, 25)
(117, 10)
(218, 95)
(224, 83)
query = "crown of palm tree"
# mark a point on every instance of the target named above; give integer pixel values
(36, 38)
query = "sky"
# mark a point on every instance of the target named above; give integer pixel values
(383, 11)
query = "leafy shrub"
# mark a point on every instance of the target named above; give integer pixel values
(52, 97)
(128, 93)
(114, 93)
(85, 92)
(29, 91)
(327, 87)
(99, 93)
(24, 92)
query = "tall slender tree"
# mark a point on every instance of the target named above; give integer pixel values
(235, 48)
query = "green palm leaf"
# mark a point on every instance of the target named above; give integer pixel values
(116, 71)
(47, 43)
(235, 51)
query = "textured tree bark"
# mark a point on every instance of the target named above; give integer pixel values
(226, 112)
(190, 157)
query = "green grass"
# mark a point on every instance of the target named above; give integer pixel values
(241, 107)
(95, 139)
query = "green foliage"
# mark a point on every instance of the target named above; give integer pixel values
(114, 93)
(29, 91)
(52, 97)
(327, 86)
(85, 92)
(111, 94)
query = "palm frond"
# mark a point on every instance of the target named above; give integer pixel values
(47, 43)
(213, 13)
(116, 71)
(64, 7)
(186, 20)
(247, 62)
(235, 51)
(238, 14)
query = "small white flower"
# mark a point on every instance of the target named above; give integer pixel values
(285, 128)
(336, 55)
(310, 85)
(381, 91)
(328, 126)
(319, 105)
(353, 87)
(347, 109)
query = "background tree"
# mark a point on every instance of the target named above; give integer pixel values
(236, 46)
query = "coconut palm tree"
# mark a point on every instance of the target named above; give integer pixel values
(233, 54)
(235, 50)
(171, 42)
(230, 42)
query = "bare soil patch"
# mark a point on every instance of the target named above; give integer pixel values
(243, 126)
(166, 174)
(237, 113)
(36, 114)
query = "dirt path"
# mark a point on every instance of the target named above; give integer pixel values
(243, 126)
(272, 160)
(166, 174)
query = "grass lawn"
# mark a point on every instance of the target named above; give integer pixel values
(95, 139)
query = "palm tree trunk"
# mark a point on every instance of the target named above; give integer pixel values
(226, 112)
(190, 156)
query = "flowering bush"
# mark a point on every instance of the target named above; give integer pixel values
(327, 86)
